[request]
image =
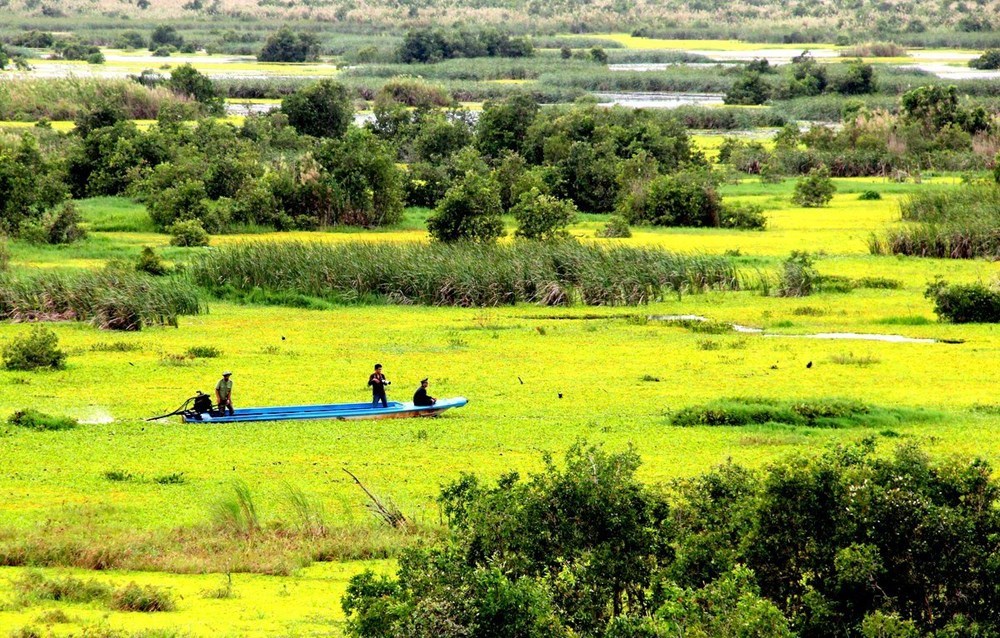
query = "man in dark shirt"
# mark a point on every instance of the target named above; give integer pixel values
(421, 398)
(378, 382)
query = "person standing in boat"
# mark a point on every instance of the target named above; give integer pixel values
(224, 393)
(377, 381)
(421, 398)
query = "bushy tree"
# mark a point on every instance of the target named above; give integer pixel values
(367, 184)
(29, 185)
(470, 210)
(750, 88)
(186, 80)
(165, 35)
(323, 109)
(503, 125)
(815, 189)
(682, 199)
(433, 45)
(284, 45)
(541, 216)
(858, 79)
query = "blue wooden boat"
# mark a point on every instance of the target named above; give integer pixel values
(337, 411)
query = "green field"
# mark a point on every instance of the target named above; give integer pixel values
(538, 379)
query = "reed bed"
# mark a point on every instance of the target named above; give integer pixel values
(961, 223)
(64, 98)
(560, 273)
(113, 299)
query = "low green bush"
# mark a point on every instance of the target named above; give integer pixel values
(870, 196)
(743, 215)
(188, 233)
(964, 303)
(815, 189)
(616, 228)
(758, 411)
(203, 352)
(36, 349)
(150, 263)
(32, 419)
(798, 276)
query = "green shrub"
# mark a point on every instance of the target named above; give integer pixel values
(469, 211)
(95, 58)
(33, 586)
(285, 45)
(798, 276)
(150, 598)
(617, 227)
(869, 196)
(63, 225)
(989, 60)
(680, 199)
(964, 303)
(38, 348)
(150, 263)
(34, 420)
(203, 352)
(815, 189)
(542, 216)
(742, 215)
(188, 233)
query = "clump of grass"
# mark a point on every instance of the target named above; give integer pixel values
(32, 419)
(236, 512)
(173, 478)
(546, 273)
(149, 598)
(875, 50)
(870, 196)
(118, 476)
(53, 617)
(308, 513)
(708, 344)
(818, 413)
(223, 592)
(203, 352)
(111, 299)
(115, 346)
(808, 311)
(850, 359)
(33, 586)
(798, 276)
(180, 360)
(648, 378)
(878, 283)
(907, 320)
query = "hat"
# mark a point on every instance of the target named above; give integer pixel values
(424, 380)
(226, 373)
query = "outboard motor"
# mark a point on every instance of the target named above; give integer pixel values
(202, 403)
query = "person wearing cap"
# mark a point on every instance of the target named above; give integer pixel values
(224, 393)
(377, 381)
(420, 397)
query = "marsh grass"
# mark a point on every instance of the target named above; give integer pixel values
(223, 592)
(111, 299)
(236, 512)
(203, 352)
(817, 413)
(148, 598)
(33, 587)
(118, 476)
(115, 346)
(560, 273)
(308, 513)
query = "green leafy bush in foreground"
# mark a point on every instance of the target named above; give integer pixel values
(38, 348)
(847, 542)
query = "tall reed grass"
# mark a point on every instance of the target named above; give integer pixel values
(560, 273)
(65, 98)
(113, 299)
(955, 223)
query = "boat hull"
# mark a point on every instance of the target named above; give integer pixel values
(332, 411)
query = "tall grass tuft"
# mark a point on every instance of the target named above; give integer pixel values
(308, 513)
(560, 273)
(65, 98)
(112, 299)
(236, 513)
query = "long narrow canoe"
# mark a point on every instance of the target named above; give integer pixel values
(338, 411)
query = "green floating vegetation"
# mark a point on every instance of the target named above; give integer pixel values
(553, 273)
(816, 413)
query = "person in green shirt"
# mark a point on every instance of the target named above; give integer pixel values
(224, 393)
